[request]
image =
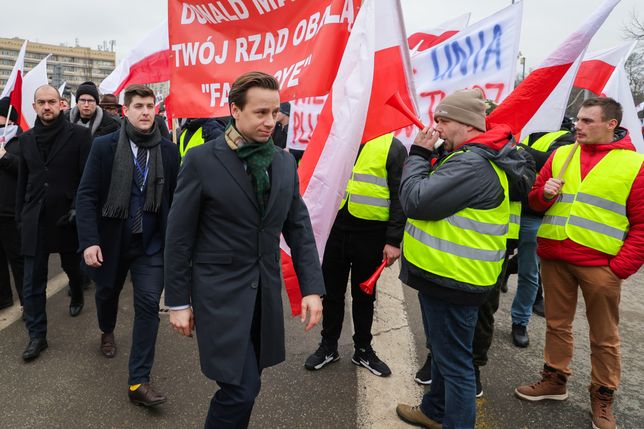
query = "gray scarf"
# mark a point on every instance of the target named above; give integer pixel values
(92, 124)
(118, 197)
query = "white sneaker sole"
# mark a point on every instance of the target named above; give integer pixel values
(423, 382)
(328, 360)
(366, 365)
(542, 397)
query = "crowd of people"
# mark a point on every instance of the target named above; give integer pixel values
(105, 187)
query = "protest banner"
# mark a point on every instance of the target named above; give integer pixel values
(481, 56)
(212, 43)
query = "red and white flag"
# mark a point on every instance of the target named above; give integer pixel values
(422, 39)
(603, 73)
(539, 102)
(13, 87)
(374, 67)
(148, 62)
(34, 79)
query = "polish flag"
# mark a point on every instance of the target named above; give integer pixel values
(420, 41)
(148, 62)
(13, 87)
(374, 67)
(34, 79)
(539, 102)
(603, 73)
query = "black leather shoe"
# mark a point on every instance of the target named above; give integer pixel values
(75, 307)
(539, 309)
(35, 346)
(145, 395)
(520, 335)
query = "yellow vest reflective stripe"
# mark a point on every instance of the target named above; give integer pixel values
(468, 246)
(592, 212)
(515, 220)
(195, 140)
(368, 191)
(542, 144)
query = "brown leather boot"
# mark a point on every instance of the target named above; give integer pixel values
(601, 404)
(551, 386)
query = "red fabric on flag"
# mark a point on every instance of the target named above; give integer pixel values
(16, 96)
(593, 75)
(355, 108)
(428, 40)
(153, 68)
(527, 98)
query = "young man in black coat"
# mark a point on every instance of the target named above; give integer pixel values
(235, 196)
(123, 203)
(52, 158)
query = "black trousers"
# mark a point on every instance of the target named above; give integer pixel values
(10, 257)
(359, 253)
(232, 404)
(35, 284)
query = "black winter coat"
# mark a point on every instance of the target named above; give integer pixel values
(48, 187)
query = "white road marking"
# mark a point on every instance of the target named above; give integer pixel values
(11, 314)
(394, 344)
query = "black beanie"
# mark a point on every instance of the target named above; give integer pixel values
(4, 109)
(88, 88)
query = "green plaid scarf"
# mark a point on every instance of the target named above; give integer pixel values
(257, 157)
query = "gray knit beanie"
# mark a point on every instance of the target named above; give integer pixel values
(466, 107)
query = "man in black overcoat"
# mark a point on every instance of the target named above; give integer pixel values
(235, 196)
(52, 159)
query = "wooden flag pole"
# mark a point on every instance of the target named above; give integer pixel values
(564, 167)
(4, 132)
(175, 124)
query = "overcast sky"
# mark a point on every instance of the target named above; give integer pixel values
(546, 23)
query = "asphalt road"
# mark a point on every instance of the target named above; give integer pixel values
(72, 386)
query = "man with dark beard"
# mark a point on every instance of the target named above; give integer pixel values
(52, 158)
(123, 202)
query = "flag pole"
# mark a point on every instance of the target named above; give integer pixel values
(564, 167)
(4, 132)
(174, 129)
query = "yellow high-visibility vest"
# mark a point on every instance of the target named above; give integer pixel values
(592, 211)
(195, 140)
(542, 144)
(468, 246)
(367, 192)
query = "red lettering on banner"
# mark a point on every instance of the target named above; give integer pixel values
(301, 45)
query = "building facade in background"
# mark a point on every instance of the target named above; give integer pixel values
(73, 65)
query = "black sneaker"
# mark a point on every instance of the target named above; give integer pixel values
(367, 358)
(538, 308)
(479, 386)
(321, 358)
(424, 375)
(520, 336)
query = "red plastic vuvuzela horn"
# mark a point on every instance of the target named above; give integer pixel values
(397, 103)
(368, 285)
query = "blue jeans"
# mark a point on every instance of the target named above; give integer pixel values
(528, 272)
(452, 398)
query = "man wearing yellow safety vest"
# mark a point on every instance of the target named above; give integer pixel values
(540, 146)
(197, 131)
(591, 237)
(367, 230)
(458, 209)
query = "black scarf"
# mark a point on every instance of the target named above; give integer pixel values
(118, 197)
(46, 135)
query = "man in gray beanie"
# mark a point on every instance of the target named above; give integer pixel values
(457, 200)
(87, 112)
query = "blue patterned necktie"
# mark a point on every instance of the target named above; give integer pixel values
(139, 178)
